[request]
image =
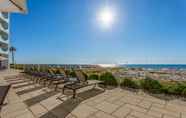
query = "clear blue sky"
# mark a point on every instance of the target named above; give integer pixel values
(66, 31)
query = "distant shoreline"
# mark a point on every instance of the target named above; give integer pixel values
(156, 66)
(144, 66)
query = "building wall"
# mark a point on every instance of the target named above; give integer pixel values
(4, 40)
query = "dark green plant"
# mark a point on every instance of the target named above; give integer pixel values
(72, 74)
(93, 77)
(85, 75)
(184, 92)
(151, 85)
(165, 89)
(57, 71)
(108, 79)
(129, 83)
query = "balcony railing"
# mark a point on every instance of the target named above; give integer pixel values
(5, 15)
(4, 35)
(4, 24)
(4, 51)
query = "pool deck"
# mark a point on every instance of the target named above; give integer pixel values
(28, 100)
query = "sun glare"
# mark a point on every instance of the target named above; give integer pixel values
(106, 17)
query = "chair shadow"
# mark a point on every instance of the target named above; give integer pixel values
(62, 110)
(39, 98)
(29, 90)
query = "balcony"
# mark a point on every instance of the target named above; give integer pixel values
(4, 51)
(3, 35)
(4, 24)
(5, 15)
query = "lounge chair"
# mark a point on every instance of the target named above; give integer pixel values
(4, 88)
(81, 83)
(61, 78)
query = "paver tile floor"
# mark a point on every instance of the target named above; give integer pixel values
(28, 100)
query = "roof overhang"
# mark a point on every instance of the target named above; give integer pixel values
(16, 6)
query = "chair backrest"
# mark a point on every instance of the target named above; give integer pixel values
(80, 76)
(62, 71)
(3, 93)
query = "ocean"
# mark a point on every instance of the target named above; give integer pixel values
(156, 66)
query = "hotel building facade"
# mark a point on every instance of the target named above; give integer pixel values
(4, 40)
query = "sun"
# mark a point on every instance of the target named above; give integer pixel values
(106, 17)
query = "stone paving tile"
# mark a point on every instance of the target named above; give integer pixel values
(167, 116)
(130, 116)
(101, 114)
(166, 112)
(107, 107)
(175, 107)
(119, 102)
(122, 112)
(162, 106)
(38, 110)
(183, 115)
(25, 115)
(70, 116)
(131, 100)
(13, 108)
(136, 108)
(145, 104)
(155, 114)
(140, 115)
(15, 113)
(25, 97)
(50, 103)
(83, 111)
(154, 100)
(112, 99)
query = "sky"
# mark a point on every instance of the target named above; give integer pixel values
(68, 32)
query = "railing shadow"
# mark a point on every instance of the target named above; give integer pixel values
(39, 98)
(62, 110)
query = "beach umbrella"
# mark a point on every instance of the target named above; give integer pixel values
(15, 6)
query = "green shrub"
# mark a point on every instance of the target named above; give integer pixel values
(184, 92)
(172, 89)
(165, 89)
(108, 79)
(67, 72)
(57, 71)
(151, 85)
(93, 77)
(72, 74)
(85, 75)
(129, 83)
(179, 88)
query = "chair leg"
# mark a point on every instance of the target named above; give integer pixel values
(74, 94)
(63, 91)
(56, 87)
